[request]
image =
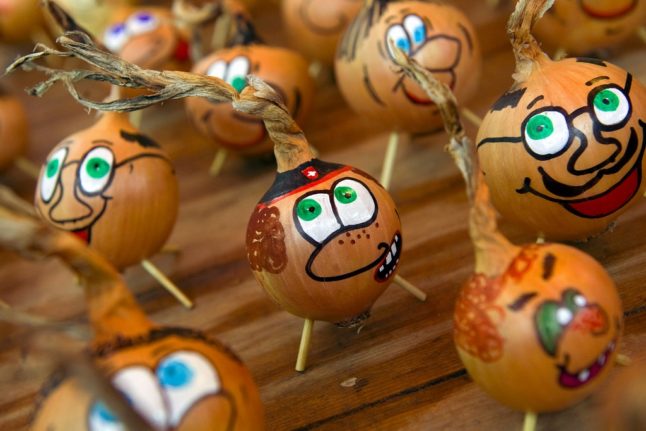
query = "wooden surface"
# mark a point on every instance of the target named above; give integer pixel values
(401, 370)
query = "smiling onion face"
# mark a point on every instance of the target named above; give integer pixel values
(174, 378)
(580, 26)
(285, 70)
(563, 153)
(438, 36)
(325, 242)
(112, 187)
(543, 335)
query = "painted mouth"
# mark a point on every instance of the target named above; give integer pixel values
(419, 100)
(386, 268)
(82, 234)
(609, 201)
(585, 375)
(608, 14)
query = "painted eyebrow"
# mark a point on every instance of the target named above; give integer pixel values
(390, 19)
(102, 141)
(521, 301)
(500, 140)
(535, 101)
(595, 80)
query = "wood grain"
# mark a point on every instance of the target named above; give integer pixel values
(408, 375)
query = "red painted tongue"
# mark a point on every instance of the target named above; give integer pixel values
(182, 51)
(611, 201)
(83, 234)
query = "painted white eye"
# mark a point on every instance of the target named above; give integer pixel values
(102, 419)
(50, 175)
(115, 37)
(547, 133)
(416, 29)
(354, 203)
(217, 69)
(398, 35)
(563, 316)
(580, 300)
(140, 387)
(316, 218)
(96, 170)
(237, 73)
(186, 377)
(141, 22)
(611, 106)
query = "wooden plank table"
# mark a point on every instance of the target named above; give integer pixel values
(405, 370)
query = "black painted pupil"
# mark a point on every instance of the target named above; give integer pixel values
(540, 128)
(311, 209)
(606, 101)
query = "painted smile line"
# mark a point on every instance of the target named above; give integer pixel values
(389, 263)
(83, 234)
(587, 374)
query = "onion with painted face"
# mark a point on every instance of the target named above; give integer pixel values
(113, 187)
(285, 70)
(537, 326)
(315, 26)
(174, 378)
(439, 36)
(563, 149)
(582, 26)
(148, 38)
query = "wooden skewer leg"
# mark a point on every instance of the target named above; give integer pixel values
(136, 118)
(529, 424)
(560, 54)
(165, 281)
(623, 360)
(472, 117)
(221, 30)
(27, 166)
(642, 33)
(171, 249)
(303, 349)
(218, 162)
(540, 239)
(389, 160)
(410, 288)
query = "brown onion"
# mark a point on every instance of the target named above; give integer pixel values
(563, 149)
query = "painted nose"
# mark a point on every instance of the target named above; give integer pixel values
(69, 208)
(591, 154)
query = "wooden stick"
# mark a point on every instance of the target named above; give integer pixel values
(529, 424)
(642, 33)
(540, 239)
(28, 167)
(623, 360)
(171, 249)
(560, 54)
(218, 162)
(221, 30)
(168, 285)
(410, 288)
(136, 118)
(472, 117)
(303, 349)
(389, 160)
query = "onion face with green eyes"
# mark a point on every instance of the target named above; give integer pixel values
(112, 187)
(563, 150)
(285, 70)
(325, 242)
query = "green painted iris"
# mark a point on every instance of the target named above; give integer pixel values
(308, 209)
(549, 329)
(539, 127)
(97, 168)
(239, 83)
(345, 195)
(606, 100)
(52, 168)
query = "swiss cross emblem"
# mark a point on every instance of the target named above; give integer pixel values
(310, 173)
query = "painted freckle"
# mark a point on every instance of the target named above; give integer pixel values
(347, 234)
(352, 242)
(359, 236)
(341, 242)
(368, 236)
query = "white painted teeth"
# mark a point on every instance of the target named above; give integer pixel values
(396, 237)
(602, 359)
(389, 258)
(393, 248)
(583, 375)
(382, 268)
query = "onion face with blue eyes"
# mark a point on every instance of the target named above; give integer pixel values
(438, 36)
(174, 378)
(325, 242)
(563, 150)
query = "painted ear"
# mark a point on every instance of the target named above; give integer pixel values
(266, 241)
